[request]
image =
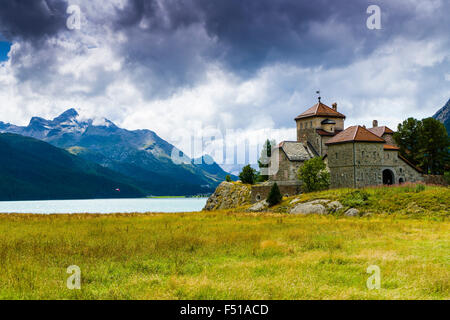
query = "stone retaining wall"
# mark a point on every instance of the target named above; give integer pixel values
(260, 192)
(434, 179)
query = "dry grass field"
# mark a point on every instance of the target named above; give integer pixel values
(232, 254)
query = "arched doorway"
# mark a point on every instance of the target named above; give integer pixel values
(388, 177)
(400, 181)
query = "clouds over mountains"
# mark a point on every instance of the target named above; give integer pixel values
(235, 64)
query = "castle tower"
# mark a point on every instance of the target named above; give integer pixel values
(318, 124)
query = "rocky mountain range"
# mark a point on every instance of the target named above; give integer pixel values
(443, 115)
(140, 155)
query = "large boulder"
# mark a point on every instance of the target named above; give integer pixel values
(308, 208)
(259, 206)
(352, 212)
(228, 195)
(335, 206)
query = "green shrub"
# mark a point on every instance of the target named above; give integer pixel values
(356, 198)
(314, 175)
(419, 188)
(274, 196)
(228, 178)
(248, 175)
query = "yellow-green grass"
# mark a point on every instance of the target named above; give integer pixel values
(223, 255)
(409, 200)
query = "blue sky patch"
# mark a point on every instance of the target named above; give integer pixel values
(4, 49)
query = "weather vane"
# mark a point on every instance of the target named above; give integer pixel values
(318, 93)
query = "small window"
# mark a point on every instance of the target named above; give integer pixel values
(401, 170)
(336, 155)
(362, 154)
(258, 197)
(310, 124)
(301, 125)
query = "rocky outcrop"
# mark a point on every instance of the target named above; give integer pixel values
(228, 195)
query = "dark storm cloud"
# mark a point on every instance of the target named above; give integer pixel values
(31, 20)
(252, 33)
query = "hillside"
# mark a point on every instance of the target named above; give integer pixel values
(416, 200)
(443, 115)
(34, 170)
(140, 154)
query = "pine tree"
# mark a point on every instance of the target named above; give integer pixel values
(274, 196)
(248, 175)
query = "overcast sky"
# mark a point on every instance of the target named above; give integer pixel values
(177, 66)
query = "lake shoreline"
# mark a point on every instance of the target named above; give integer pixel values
(104, 206)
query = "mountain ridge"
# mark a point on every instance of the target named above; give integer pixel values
(443, 115)
(32, 169)
(139, 154)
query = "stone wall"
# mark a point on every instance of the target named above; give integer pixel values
(323, 150)
(287, 170)
(434, 179)
(340, 163)
(362, 164)
(260, 192)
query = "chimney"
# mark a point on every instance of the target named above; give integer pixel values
(375, 123)
(334, 105)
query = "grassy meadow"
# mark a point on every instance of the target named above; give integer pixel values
(232, 254)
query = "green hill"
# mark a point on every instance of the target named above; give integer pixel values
(35, 170)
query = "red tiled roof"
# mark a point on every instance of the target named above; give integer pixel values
(390, 147)
(355, 133)
(325, 133)
(322, 132)
(320, 109)
(379, 131)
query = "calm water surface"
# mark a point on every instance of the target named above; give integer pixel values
(104, 205)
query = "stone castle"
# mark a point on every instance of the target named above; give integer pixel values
(355, 156)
